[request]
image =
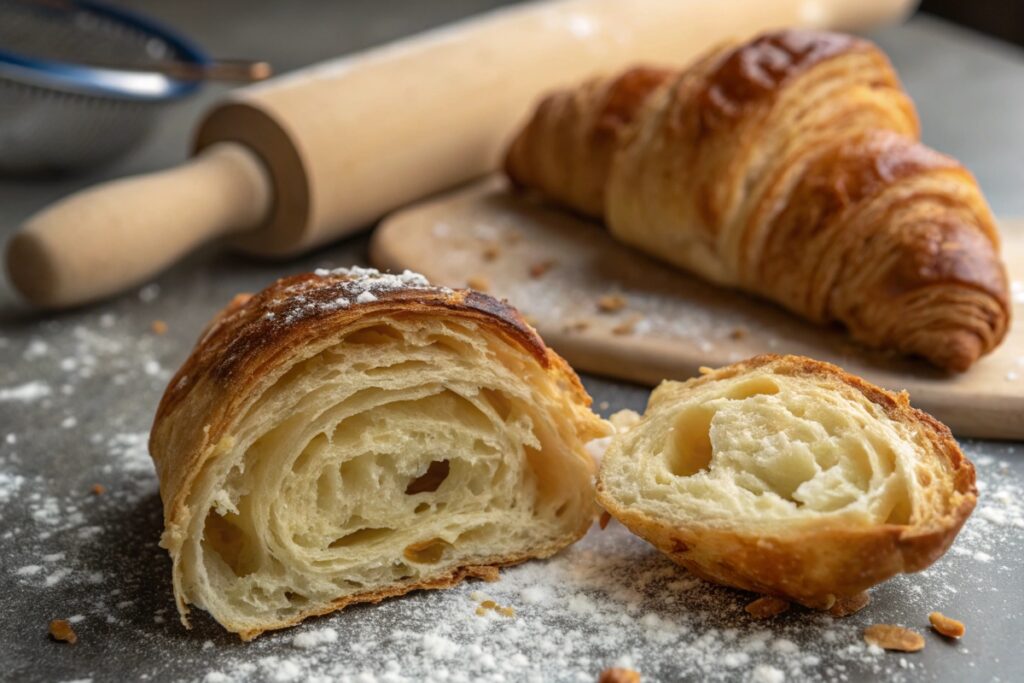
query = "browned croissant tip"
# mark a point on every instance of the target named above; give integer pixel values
(958, 353)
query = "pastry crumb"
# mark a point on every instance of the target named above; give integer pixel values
(98, 489)
(610, 303)
(893, 637)
(577, 325)
(619, 675)
(159, 327)
(705, 370)
(541, 267)
(851, 604)
(491, 605)
(603, 520)
(947, 626)
(479, 283)
(738, 333)
(491, 252)
(766, 607)
(60, 629)
(626, 327)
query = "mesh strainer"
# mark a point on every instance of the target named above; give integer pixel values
(82, 82)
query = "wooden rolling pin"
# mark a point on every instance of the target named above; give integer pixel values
(302, 159)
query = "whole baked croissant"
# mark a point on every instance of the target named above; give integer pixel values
(789, 167)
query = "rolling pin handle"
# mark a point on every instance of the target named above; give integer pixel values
(102, 240)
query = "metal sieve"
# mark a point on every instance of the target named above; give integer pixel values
(81, 82)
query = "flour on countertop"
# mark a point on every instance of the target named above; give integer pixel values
(608, 600)
(26, 393)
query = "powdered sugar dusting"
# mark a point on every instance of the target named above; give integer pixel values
(354, 285)
(26, 393)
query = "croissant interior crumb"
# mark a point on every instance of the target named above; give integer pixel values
(772, 447)
(404, 451)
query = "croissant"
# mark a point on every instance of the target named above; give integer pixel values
(788, 167)
(789, 477)
(346, 436)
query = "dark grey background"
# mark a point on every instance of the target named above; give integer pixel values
(970, 92)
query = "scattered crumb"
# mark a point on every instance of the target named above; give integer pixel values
(98, 489)
(604, 519)
(705, 370)
(738, 333)
(892, 637)
(489, 604)
(951, 628)
(576, 325)
(479, 283)
(609, 303)
(60, 629)
(541, 267)
(603, 405)
(766, 607)
(619, 675)
(159, 327)
(847, 605)
(626, 327)
(491, 252)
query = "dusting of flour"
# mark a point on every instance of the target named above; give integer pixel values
(92, 558)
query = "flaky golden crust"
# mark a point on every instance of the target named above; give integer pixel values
(255, 336)
(790, 167)
(816, 563)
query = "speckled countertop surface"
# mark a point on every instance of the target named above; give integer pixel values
(78, 391)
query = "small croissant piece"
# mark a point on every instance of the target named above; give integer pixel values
(790, 167)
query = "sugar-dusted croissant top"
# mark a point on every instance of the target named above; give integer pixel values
(790, 167)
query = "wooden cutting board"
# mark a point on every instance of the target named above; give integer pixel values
(559, 270)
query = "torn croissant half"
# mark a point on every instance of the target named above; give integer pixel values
(789, 477)
(346, 436)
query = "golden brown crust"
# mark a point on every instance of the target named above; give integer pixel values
(243, 345)
(577, 132)
(758, 69)
(820, 563)
(790, 167)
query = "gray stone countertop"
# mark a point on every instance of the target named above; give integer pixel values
(78, 392)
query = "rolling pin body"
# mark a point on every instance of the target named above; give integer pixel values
(347, 141)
